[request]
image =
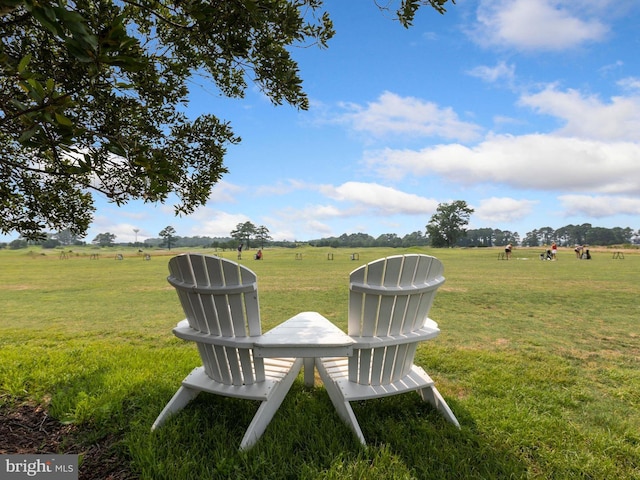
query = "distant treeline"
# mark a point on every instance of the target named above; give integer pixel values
(355, 240)
(213, 242)
(584, 234)
(569, 235)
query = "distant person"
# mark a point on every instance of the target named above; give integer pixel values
(554, 251)
(240, 251)
(258, 255)
(578, 251)
(507, 251)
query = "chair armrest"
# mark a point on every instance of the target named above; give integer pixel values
(425, 333)
(397, 290)
(215, 289)
(185, 332)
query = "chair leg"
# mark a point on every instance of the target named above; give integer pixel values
(342, 406)
(179, 400)
(432, 395)
(269, 407)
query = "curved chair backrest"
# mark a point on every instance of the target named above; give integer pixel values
(390, 299)
(220, 299)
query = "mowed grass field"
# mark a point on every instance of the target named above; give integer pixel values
(539, 360)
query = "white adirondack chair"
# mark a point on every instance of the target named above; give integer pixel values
(220, 300)
(389, 303)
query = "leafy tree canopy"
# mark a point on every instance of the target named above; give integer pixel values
(448, 224)
(168, 233)
(90, 90)
(104, 239)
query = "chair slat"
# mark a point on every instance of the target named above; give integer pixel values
(399, 313)
(356, 305)
(408, 275)
(252, 306)
(377, 363)
(246, 365)
(375, 272)
(389, 362)
(370, 315)
(199, 268)
(210, 312)
(237, 315)
(214, 267)
(393, 270)
(385, 314)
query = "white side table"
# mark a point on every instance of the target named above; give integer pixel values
(308, 335)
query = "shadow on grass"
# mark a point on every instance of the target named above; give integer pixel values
(306, 439)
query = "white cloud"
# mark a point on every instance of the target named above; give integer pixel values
(393, 115)
(224, 192)
(630, 83)
(211, 223)
(503, 210)
(588, 116)
(380, 199)
(501, 71)
(551, 25)
(600, 206)
(539, 162)
(321, 211)
(281, 188)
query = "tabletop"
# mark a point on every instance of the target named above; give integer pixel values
(308, 335)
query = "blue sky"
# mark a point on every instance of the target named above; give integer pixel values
(529, 110)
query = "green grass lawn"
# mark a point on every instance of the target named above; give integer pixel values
(539, 360)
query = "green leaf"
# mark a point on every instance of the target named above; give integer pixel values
(18, 104)
(36, 91)
(62, 120)
(42, 15)
(24, 61)
(27, 134)
(116, 149)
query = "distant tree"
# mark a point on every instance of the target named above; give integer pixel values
(609, 236)
(577, 234)
(499, 237)
(262, 235)
(480, 237)
(356, 240)
(414, 239)
(531, 239)
(50, 243)
(563, 236)
(546, 235)
(510, 237)
(244, 232)
(389, 240)
(104, 239)
(624, 235)
(18, 244)
(448, 224)
(167, 234)
(66, 237)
